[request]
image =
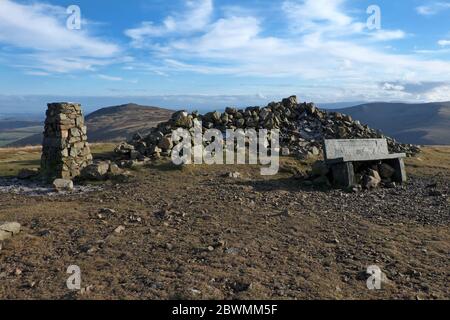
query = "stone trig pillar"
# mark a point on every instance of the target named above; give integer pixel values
(65, 150)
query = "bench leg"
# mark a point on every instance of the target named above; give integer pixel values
(344, 174)
(400, 171)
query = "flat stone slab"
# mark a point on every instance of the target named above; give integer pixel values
(348, 150)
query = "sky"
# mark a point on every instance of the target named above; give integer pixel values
(210, 50)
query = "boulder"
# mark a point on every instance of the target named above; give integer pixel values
(114, 169)
(231, 110)
(124, 148)
(386, 171)
(61, 185)
(183, 120)
(8, 230)
(96, 171)
(290, 102)
(165, 143)
(375, 175)
(370, 182)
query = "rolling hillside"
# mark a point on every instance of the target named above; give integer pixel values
(12, 129)
(427, 123)
(114, 123)
(408, 123)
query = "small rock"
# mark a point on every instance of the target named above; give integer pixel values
(315, 151)
(391, 185)
(285, 152)
(195, 292)
(108, 211)
(234, 175)
(287, 213)
(119, 229)
(220, 243)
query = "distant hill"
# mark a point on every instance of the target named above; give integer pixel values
(114, 123)
(426, 123)
(13, 129)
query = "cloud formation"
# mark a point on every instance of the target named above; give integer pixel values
(324, 42)
(47, 45)
(322, 47)
(433, 7)
(196, 17)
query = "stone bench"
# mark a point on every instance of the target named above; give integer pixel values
(341, 156)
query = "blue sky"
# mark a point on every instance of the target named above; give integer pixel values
(321, 50)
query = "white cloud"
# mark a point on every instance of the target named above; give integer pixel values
(40, 29)
(109, 78)
(319, 15)
(235, 45)
(432, 8)
(392, 87)
(441, 93)
(325, 50)
(386, 35)
(37, 73)
(444, 43)
(224, 34)
(196, 16)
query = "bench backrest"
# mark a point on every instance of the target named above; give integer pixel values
(356, 149)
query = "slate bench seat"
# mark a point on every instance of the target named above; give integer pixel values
(341, 154)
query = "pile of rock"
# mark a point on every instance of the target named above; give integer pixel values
(368, 175)
(65, 150)
(303, 127)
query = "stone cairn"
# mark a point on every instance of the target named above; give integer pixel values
(65, 150)
(303, 127)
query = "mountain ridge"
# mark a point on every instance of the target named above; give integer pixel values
(423, 123)
(112, 124)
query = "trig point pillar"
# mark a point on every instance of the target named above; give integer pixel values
(65, 150)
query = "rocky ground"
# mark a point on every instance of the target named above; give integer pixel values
(196, 232)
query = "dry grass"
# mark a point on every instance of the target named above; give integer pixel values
(12, 160)
(432, 161)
